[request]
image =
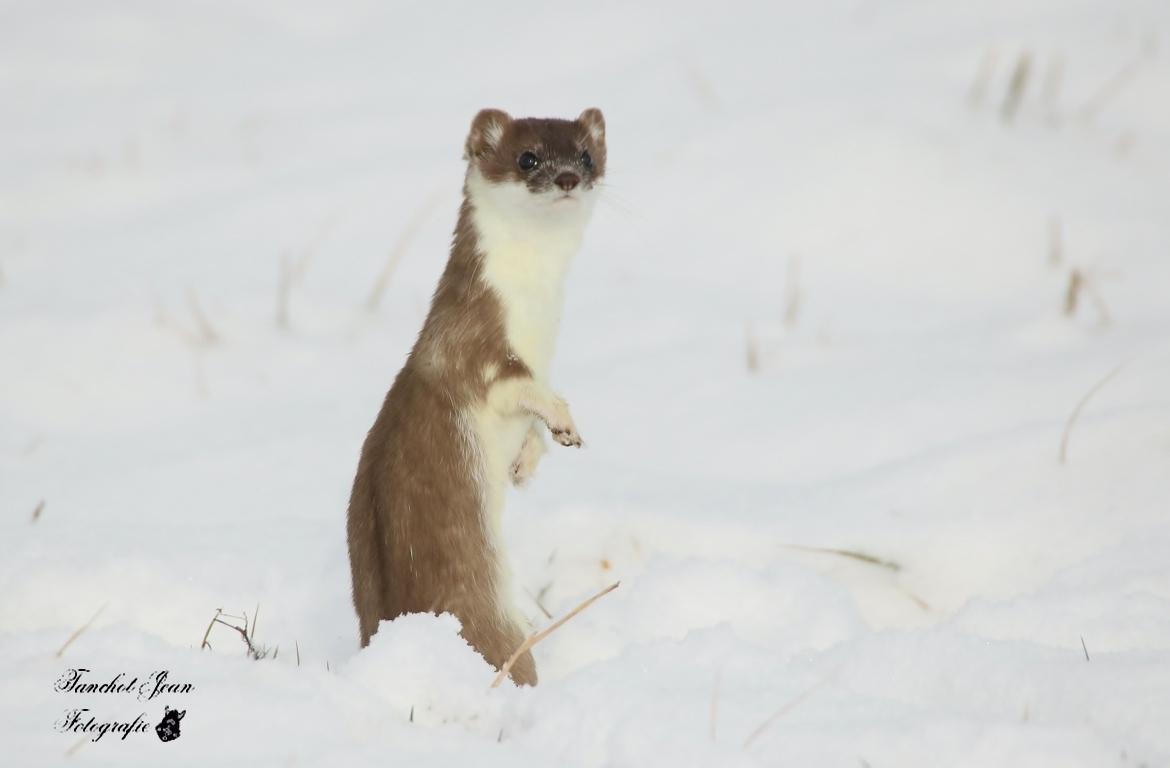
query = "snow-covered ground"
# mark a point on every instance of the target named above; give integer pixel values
(821, 316)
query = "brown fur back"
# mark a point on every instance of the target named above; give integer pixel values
(418, 538)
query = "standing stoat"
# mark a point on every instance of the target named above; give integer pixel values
(463, 416)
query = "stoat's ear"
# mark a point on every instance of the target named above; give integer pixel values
(594, 122)
(486, 130)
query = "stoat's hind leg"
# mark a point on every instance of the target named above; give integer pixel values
(496, 637)
(523, 672)
(525, 464)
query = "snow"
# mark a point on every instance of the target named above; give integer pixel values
(158, 164)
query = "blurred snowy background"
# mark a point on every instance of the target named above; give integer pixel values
(858, 263)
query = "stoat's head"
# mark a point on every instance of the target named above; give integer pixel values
(542, 165)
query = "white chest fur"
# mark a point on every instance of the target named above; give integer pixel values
(528, 242)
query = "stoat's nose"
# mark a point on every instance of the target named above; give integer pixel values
(568, 181)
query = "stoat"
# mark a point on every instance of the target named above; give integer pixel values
(465, 415)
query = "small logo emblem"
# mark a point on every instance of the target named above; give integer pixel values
(168, 729)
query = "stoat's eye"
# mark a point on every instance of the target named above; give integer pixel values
(527, 161)
(586, 159)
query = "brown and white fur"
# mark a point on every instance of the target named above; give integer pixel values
(465, 413)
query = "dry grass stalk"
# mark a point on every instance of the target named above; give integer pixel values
(36, 515)
(1081, 281)
(1084, 648)
(292, 271)
(80, 630)
(398, 251)
(784, 710)
(80, 743)
(191, 338)
(197, 340)
(302, 264)
(848, 553)
(1098, 302)
(210, 624)
(298, 645)
(539, 605)
(1077, 411)
(1108, 91)
(256, 652)
(206, 332)
(914, 598)
(1076, 279)
(871, 560)
(1016, 87)
(983, 75)
(536, 637)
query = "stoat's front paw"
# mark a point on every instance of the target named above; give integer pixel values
(525, 464)
(566, 433)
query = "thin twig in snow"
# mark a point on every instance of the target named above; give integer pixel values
(848, 553)
(253, 651)
(1077, 411)
(913, 597)
(1017, 87)
(1108, 91)
(206, 331)
(535, 638)
(753, 350)
(409, 232)
(292, 271)
(784, 710)
(983, 77)
(1102, 310)
(1076, 280)
(80, 743)
(80, 630)
(210, 624)
(543, 610)
(191, 338)
(302, 264)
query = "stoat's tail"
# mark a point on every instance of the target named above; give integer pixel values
(365, 558)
